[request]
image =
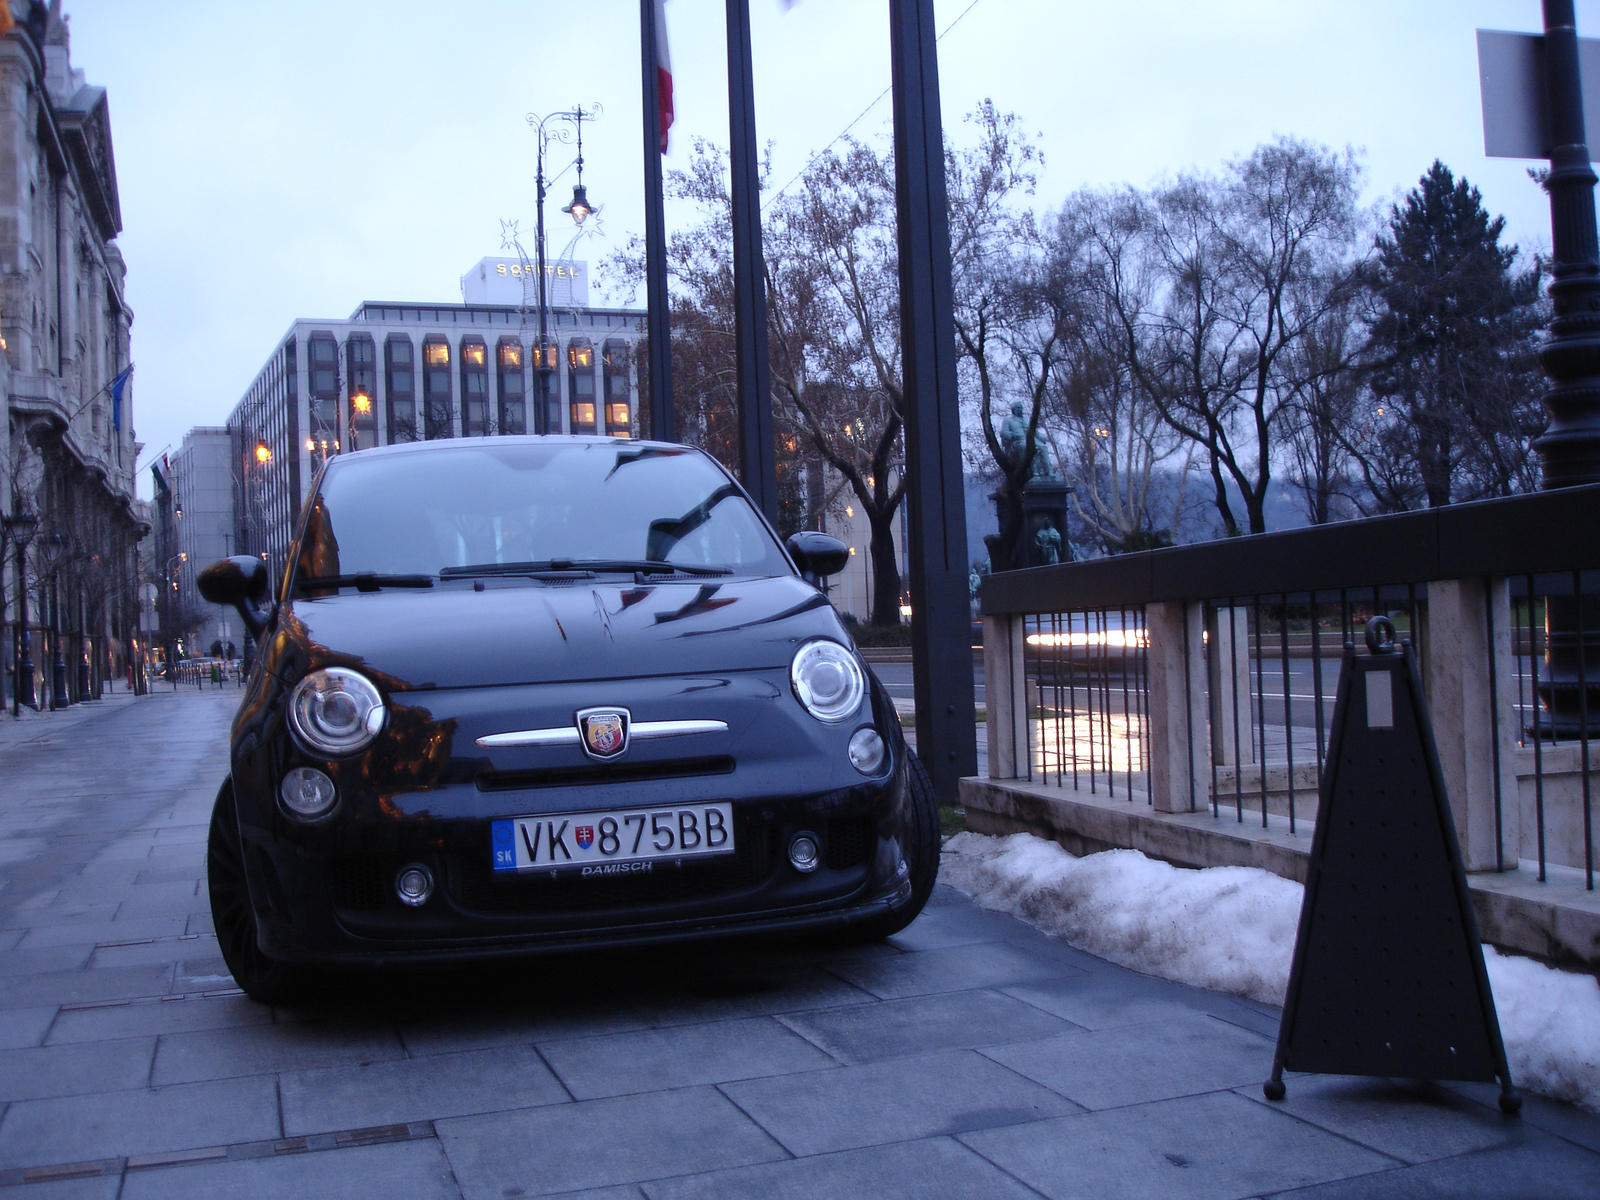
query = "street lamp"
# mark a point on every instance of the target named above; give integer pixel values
(21, 527)
(578, 210)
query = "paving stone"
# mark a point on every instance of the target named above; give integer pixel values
(938, 1167)
(442, 1030)
(414, 1170)
(1133, 1064)
(941, 926)
(258, 1049)
(417, 1089)
(744, 988)
(679, 1056)
(901, 1099)
(921, 1024)
(112, 1123)
(601, 1143)
(987, 965)
(80, 934)
(1568, 1121)
(1414, 1122)
(1538, 1169)
(48, 958)
(78, 987)
(162, 950)
(27, 917)
(167, 1016)
(73, 1070)
(95, 1187)
(23, 1027)
(1214, 1147)
(1101, 1001)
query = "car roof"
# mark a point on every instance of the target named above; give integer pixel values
(528, 439)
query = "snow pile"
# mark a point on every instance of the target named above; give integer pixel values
(1232, 929)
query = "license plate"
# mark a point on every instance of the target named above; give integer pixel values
(612, 843)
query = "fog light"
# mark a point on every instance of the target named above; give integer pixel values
(307, 793)
(866, 751)
(803, 852)
(414, 885)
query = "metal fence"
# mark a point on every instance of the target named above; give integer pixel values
(1265, 623)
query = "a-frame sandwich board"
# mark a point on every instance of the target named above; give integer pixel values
(1388, 976)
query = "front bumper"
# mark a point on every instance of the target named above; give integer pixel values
(325, 893)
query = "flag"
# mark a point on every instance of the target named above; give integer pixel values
(117, 386)
(161, 471)
(663, 72)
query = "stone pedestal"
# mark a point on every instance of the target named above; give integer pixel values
(1044, 513)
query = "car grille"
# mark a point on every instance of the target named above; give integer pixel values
(472, 883)
(358, 883)
(508, 781)
(850, 842)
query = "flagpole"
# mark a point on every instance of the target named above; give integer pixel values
(652, 58)
(758, 469)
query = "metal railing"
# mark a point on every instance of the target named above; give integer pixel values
(1203, 678)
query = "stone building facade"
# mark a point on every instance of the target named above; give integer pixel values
(68, 453)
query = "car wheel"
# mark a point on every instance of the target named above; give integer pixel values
(922, 857)
(262, 978)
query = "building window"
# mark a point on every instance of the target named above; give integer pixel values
(474, 387)
(508, 368)
(619, 412)
(547, 386)
(580, 384)
(322, 433)
(400, 386)
(437, 419)
(361, 356)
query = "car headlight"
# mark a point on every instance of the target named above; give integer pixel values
(336, 711)
(827, 680)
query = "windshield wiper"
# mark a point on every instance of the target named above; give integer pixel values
(363, 581)
(570, 566)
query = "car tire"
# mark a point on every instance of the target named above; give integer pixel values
(263, 979)
(922, 857)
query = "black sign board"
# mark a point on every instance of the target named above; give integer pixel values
(1388, 976)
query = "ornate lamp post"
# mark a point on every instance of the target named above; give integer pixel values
(568, 127)
(21, 527)
(1570, 448)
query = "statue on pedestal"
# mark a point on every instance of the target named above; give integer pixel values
(1014, 436)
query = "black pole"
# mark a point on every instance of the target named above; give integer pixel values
(940, 608)
(1570, 448)
(545, 367)
(58, 669)
(758, 466)
(22, 693)
(657, 301)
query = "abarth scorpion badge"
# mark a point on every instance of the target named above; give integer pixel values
(604, 731)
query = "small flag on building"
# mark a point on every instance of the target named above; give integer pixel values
(118, 385)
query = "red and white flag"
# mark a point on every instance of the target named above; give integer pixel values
(663, 72)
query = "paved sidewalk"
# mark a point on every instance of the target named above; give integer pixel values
(970, 1057)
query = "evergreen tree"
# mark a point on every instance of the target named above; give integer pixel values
(1451, 350)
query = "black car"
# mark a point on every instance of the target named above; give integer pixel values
(518, 694)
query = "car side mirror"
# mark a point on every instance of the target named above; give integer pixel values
(818, 555)
(240, 582)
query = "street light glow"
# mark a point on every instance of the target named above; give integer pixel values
(263, 454)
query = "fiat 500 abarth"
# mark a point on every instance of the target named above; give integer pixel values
(529, 693)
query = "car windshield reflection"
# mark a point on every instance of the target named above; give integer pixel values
(528, 509)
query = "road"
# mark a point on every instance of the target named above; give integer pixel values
(970, 1056)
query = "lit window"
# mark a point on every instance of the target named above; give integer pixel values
(436, 354)
(474, 354)
(580, 355)
(510, 354)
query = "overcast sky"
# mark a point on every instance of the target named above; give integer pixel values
(293, 159)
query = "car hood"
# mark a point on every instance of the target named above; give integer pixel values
(517, 631)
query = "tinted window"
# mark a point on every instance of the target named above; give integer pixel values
(459, 506)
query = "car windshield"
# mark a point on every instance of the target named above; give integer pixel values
(499, 506)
